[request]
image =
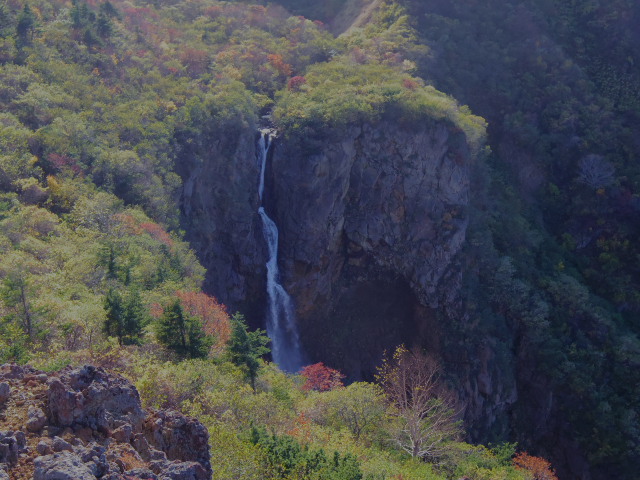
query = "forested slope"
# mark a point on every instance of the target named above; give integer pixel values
(124, 123)
(559, 85)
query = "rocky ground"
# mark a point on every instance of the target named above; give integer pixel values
(85, 424)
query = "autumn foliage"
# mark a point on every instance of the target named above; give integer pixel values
(295, 83)
(410, 84)
(212, 314)
(157, 232)
(279, 64)
(537, 466)
(321, 378)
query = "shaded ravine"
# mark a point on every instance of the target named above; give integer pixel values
(280, 321)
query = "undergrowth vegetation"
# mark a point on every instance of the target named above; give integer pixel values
(282, 430)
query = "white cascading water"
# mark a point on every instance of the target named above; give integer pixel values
(281, 322)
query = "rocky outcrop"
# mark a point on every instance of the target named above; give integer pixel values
(88, 424)
(91, 398)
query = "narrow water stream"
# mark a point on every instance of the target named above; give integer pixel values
(280, 321)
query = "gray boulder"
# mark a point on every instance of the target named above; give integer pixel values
(5, 392)
(61, 466)
(184, 471)
(37, 419)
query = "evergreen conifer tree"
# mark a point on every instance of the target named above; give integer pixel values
(182, 333)
(114, 321)
(246, 348)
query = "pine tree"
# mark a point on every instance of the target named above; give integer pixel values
(182, 333)
(246, 348)
(25, 28)
(114, 321)
(135, 318)
(125, 318)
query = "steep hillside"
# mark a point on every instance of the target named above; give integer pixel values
(129, 128)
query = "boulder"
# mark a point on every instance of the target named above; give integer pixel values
(61, 466)
(37, 419)
(184, 471)
(5, 392)
(9, 448)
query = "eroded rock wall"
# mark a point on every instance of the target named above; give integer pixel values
(219, 201)
(371, 223)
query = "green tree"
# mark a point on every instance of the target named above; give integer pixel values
(25, 27)
(17, 292)
(114, 321)
(290, 460)
(5, 21)
(125, 318)
(360, 408)
(246, 348)
(182, 333)
(135, 318)
(14, 344)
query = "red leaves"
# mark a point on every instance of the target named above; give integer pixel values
(321, 378)
(539, 467)
(61, 163)
(212, 314)
(157, 232)
(409, 84)
(196, 61)
(295, 83)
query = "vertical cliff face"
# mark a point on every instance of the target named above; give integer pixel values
(371, 225)
(219, 201)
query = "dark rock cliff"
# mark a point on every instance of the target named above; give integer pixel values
(373, 225)
(219, 201)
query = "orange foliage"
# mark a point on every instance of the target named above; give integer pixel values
(279, 64)
(301, 430)
(213, 315)
(539, 467)
(257, 15)
(213, 12)
(321, 378)
(156, 310)
(131, 226)
(157, 232)
(128, 223)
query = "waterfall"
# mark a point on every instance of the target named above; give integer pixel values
(281, 322)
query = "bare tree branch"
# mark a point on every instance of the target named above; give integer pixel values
(425, 417)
